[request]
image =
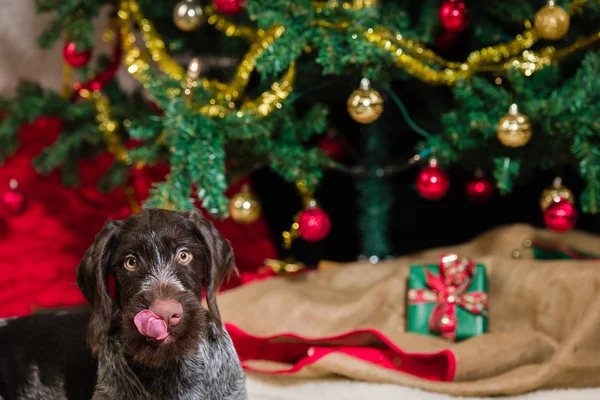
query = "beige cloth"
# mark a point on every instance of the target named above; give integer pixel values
(543, 328)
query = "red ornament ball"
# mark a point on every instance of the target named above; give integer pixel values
(13, 199)
(229, 7)
(454, 15)
(561, 216)
(480, 190)
(75, 58)
(120, 214)
(333, 147)
(313, 225)
(432, 182)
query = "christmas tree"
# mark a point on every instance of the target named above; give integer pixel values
(231, 86)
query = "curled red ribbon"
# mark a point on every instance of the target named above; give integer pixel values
(449, 290)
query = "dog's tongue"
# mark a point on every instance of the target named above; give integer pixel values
(151, 325)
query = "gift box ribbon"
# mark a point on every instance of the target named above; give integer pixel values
(448, 290)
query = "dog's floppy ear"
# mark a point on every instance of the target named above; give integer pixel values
(219, 256)
(92, 279)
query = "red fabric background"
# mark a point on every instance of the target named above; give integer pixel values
(41, 247)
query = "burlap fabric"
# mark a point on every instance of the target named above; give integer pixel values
(543, 328)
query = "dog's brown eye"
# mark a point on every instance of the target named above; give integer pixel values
(184, 256)
(130, 263)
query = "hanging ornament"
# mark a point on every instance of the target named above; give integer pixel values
(106, 75)
(445, 40)
(454, 15)
(229, 7)
(365, 105)
(244, 207)
(332, 145)
(13, 199)
(188, 15)
(432, 181)
(514, 129)
(313, 224)
(555, 194)
(75, 58)
(561, 216)
(552, 22)
(480, 189)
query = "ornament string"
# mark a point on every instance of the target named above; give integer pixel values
(407, 117)
(394, 168)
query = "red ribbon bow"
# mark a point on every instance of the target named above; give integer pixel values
(447, 290)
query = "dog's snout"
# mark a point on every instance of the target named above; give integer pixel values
(168, 309)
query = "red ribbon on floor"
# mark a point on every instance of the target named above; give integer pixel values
(447, 290)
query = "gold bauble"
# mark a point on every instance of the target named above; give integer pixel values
(514, 129)
(555, 194)
(365, 105)
(244, 207)
(552, 22)
(188, 15)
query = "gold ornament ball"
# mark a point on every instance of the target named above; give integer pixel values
(244, 208)
(514, 129)
(555, 194)
(365, 105)
(188, 15)
(552, 22)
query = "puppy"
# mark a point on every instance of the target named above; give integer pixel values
(152, 340)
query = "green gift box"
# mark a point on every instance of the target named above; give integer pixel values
(448, 300)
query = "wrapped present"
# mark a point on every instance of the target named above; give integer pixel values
(449, 300)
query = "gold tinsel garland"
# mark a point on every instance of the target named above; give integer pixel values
(415, 58)
(108, 127)
(226, 94)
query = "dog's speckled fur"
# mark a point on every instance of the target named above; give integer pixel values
(45, 356)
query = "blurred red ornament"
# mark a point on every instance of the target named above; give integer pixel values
(120, 214)
(313, 224)
(14, 199)
(229, 6)
(75, 58)
(454, 15)
(333, 146)
(105, 76)
(480, 189)
(432, 181)
(561, 216)
(445, 40)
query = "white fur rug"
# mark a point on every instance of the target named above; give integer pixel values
(20, 58)
(268, 388)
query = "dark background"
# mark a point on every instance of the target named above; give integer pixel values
(414, 223)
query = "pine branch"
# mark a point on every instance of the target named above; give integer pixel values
(589, 167)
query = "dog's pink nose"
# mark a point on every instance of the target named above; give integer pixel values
(168, 309)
